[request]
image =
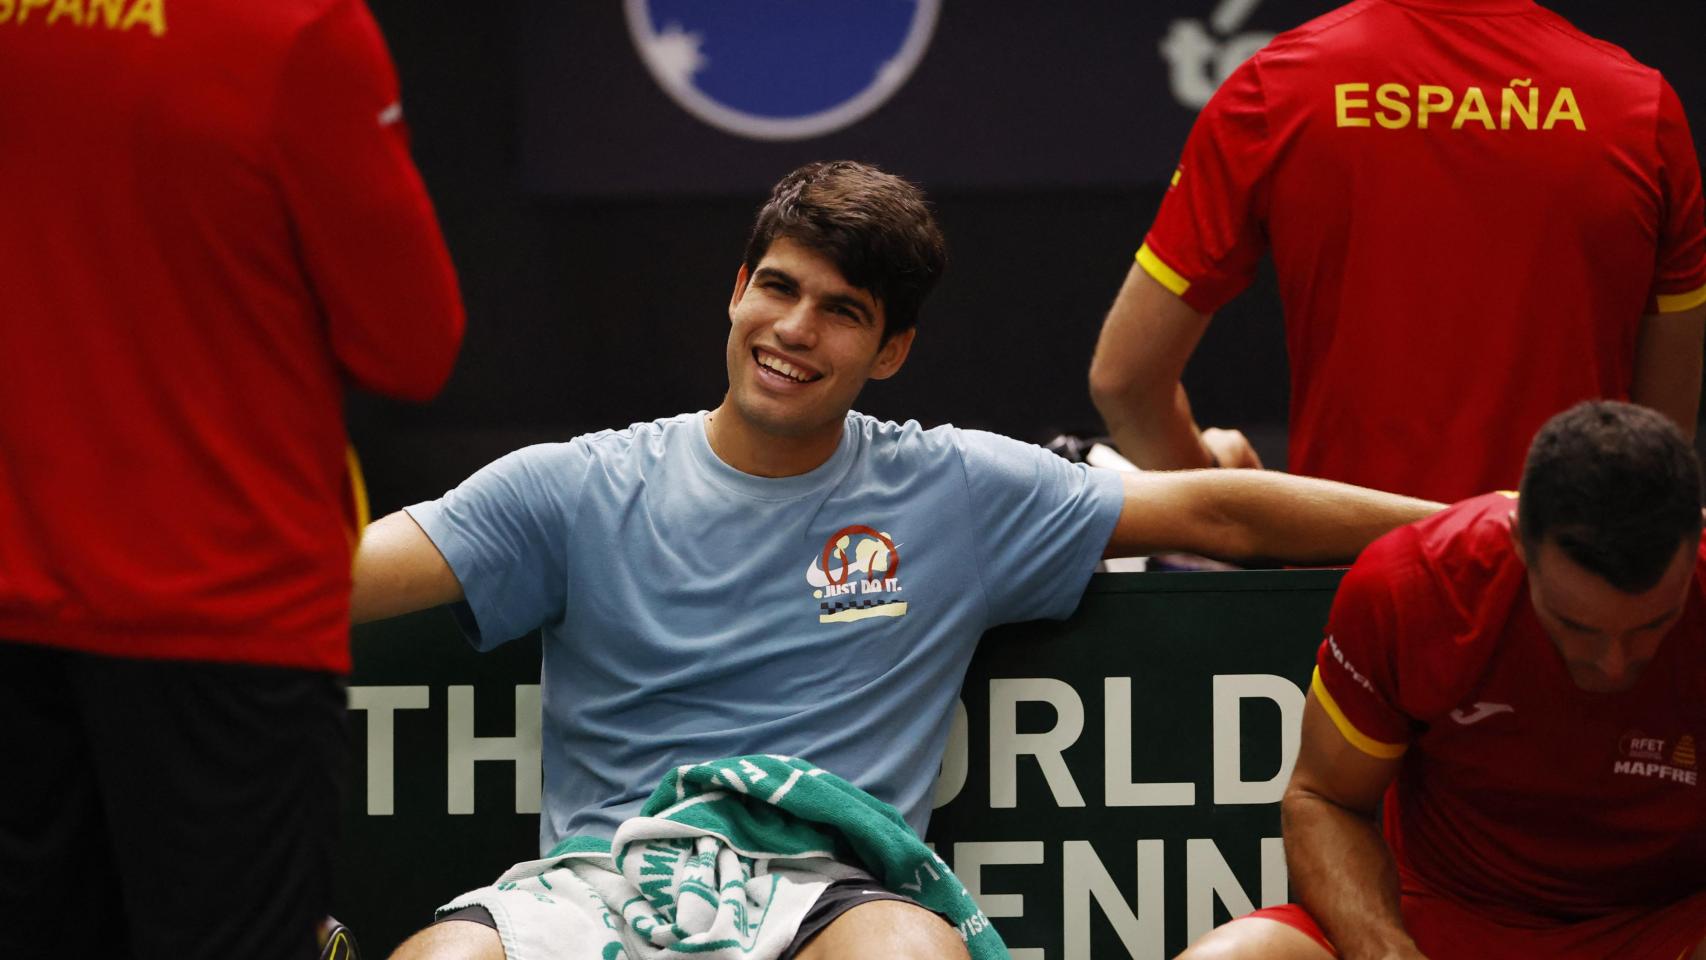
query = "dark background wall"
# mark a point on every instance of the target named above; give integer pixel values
(595, 311)
(591, 312)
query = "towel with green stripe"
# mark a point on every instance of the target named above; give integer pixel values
(723, 862)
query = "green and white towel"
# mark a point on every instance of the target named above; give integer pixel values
(722, 863)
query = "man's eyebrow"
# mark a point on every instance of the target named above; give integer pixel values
(772, 273)
(853, 302)
(1658, 620)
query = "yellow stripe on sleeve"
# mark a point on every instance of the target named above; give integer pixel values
(1358, 739)
(1676, 302)
(357, 489)
(1163, 274)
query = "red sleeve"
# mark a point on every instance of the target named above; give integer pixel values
(1356, 669)
(1680, 280)
(1208, 237)
(365, 227)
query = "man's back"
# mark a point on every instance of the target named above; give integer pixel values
(1471, 206)
(211, 221)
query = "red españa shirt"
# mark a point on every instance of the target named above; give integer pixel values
(1519, 793)
(1470, 207)
(211, 222)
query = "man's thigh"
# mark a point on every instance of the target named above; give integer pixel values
(1276, 933)
(892, 929)
(453, 940)
(221, 788)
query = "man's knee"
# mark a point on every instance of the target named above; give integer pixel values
(891, 929)
(452, 940)
(1257, 938)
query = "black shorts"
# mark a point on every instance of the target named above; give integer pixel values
(153, 808)
(835, 900)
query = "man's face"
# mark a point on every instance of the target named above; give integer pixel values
(1606, 637)
(802, 343)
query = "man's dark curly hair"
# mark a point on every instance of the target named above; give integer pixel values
(1616, 487)
(874, 226)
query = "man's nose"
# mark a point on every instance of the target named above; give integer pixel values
(798, 326)
(1614, 662)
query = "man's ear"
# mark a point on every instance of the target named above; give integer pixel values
(741, 278)
(1516, 540)
(892, 354)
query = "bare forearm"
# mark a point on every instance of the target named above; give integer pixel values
(1668, 366)
(1341, 871)
(397, 570)
(1302, 519)
(1152, 432)
(1140, 357)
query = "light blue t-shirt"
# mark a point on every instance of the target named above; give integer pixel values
(692, 612)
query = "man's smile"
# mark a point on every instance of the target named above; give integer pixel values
(783, 368)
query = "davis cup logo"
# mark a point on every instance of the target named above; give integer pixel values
(773, 70)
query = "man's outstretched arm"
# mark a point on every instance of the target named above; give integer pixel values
(398, 570)
(1146, 340)
(1251, 514)
(1340, 867)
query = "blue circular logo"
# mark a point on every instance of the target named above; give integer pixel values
(781, 69)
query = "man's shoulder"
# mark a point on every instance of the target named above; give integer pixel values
(645, 438)
(1328, 26)
(1451, 559)
(1568, 37)
(978, 452)
(881, 439)
(255, 27)
(1439, 580)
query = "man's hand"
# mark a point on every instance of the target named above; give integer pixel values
(1231, 448)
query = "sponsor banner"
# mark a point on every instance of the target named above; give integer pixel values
(661, 97)
(1110, 788)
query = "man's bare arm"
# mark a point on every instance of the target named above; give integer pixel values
(1146, 340)
(398, 570)
(1667, 365)
(1250, 514)
(1340, 867)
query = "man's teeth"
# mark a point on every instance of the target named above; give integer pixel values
(784, 368)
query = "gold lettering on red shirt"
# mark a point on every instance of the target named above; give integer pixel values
(149, 15)
(1397, 106)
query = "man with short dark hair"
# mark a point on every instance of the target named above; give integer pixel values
(782, 575)
(1524, 682)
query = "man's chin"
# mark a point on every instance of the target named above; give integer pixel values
(1593, 681)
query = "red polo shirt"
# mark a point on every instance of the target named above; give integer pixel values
(1470, 205)
(210, 223)
(1519, 794)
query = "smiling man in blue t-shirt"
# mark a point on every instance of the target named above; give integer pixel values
(784, 575)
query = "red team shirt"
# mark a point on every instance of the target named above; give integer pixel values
(1470, 204)
(210, 224)
(1520, 795)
